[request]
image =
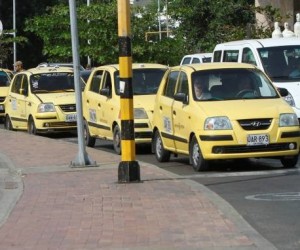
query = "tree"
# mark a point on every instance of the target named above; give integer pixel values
(98, 34)
(204, 23)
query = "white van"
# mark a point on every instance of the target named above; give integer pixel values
(196, 58)
(279, 58)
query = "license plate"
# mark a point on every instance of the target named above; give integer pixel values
(71, 117)
(260, 139)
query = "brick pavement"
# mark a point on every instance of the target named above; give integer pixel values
(46, 204)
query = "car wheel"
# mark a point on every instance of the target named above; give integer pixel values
(8, 124)
(117, 139)
(289, 161)
(89, 140)
(196, 157)
(31, 129)
(161, 154)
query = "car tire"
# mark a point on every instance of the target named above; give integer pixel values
(161, 154)
(89, 140)
(289, 161)
(31, 128)
(8, 124)
(196, 157)
(117, 139)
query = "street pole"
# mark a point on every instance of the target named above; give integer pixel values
(159, 21)
(129, 169)
(15, 31)
(82, 158)
(89, 41)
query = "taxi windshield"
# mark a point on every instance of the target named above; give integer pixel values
(53, 82)
(281, 63)
(144, 81)
(4, 79)
(231, 84)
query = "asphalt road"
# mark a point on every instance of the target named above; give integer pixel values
(264, 193)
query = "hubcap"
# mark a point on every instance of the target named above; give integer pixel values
(195, 154)
(158, 146)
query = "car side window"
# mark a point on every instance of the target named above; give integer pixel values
(16, 86)
(107, 83)
(183, 84)
(186, 60)
(248, 56)
(25, 85)
(217, 55)
(171, 84)
(231, 56)
(196, 60)
(96, 80)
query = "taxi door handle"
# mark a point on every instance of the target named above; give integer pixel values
(88, 101)
(174, 112)
(99, 105)
(160, 107)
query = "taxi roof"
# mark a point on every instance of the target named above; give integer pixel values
(215, 65)
(43, 69)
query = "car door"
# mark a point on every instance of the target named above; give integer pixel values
(16, 106)
(165, 110)
(109, 102)
(91, 106)
(180, 114)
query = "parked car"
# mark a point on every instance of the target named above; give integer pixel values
(42, 100)
(101, 103)
(279, 58)
(230, 122)
(5, 78)
(196, 58)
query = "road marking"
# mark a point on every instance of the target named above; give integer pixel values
(288, 196)
(240, 174)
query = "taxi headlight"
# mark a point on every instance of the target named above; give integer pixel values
(217, 123)
(46, 107)
(287, 120)
(290, 100)
(140, 113)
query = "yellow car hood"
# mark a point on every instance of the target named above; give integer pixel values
(58, 98)
(4, 91)
(245, 109)
(144, 101)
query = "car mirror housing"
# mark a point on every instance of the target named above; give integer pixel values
(182, 97)
(283, 92)
(105, 92)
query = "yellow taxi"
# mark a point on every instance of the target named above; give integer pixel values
(42, 100)
(5, 78)
(101, 103)
(224, 111)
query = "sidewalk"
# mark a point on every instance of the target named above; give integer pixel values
(46, 204)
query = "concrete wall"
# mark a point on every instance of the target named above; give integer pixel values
(285, 6)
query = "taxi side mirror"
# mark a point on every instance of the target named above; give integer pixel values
(23, 92)
(283, 92)
(106, 92)
(182, 97)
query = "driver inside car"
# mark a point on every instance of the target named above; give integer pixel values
(246, 88)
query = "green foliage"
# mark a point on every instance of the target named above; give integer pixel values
(98, 34)
(6, 41)
(203, 24)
